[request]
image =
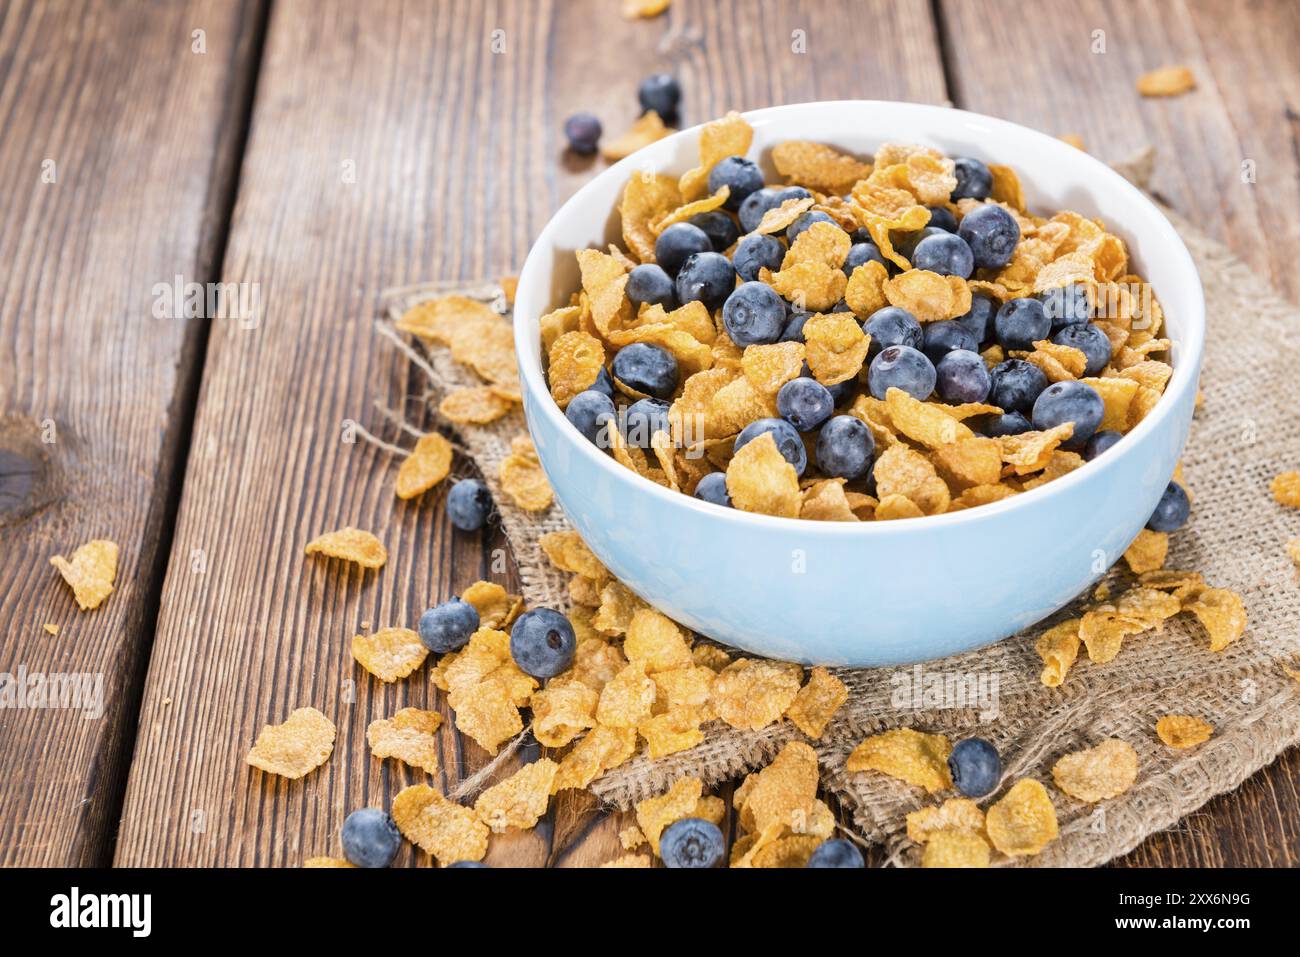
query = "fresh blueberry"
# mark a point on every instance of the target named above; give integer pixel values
(646, 368)
(542, 642)
(974, 179)
(793, 331)
(755, 205)
(448, 626)
(841, 306)
(692, 842)
(469, 503)
(791, 192)
(892, 326)
(840, 392)
(906, 243)
(713, 488)
(469, 864)
(982, 310)
(754, 252)
(1066, 305)
(1075, 402)
(805, 403)
(1016, 384)
(603, 383)
(649, 283)
(860, 253)
(676, 243)
(370, 838)
(992, 234)
(806, 220)
(1171, 511)
(1020, 323)
(975, 767)
(754, 314)
(961, 376)
(836, 852)
(719, 227)
(643, 419)
(662, 93)
(788, 442)
(845, 448)
(582, 130)
(1100, 442)
(708, 277)
(944, 253)
(1089, 340)
(741, 176)
(1008, 423)
(901, 367)
(942, 218)
(942, 337)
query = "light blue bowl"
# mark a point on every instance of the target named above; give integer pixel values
(876, 593)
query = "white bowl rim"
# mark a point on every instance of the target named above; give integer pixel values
(1185, 375)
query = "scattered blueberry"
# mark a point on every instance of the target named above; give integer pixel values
(719, 227)
(1171, 511)
(836, 852)
(944, 253)
(755, 205)
(754, 314)
(662, 93)
(754, 252)
(1020, 323)
(713, 488)
(961, 376)
(646, 368)
(448, 626)
(806, 220)
(542, 642)
(992, 234)
(974, 179)
(370, 838)
(706, 276)
(805, 403)
(845, 448)
(942, 218)
(942, 337)
(1100, 442)
(1066, 305)
(975, 767)
(676, 243)
(1075, 402)
(643, 419)
(469, 503)
(741, 176)
(1089, 340)
(692, 842)
(582, 130)
(793, 331)
(892, 326)
(1016, 384)
(649, 283)
(901, 367)
(982, 310)
(860, 253)
(1008, 423)
(788, 442)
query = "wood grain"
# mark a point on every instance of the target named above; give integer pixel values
(115, 174)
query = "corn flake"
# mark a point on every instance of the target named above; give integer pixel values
(440, 827)
(1221, 612)
(1183, 730)
(496, 607)
(729, 136)
(646, 198)
(750, 694)
(649, 128)
(1166, 81)
(520, 800)
(477, 405)
(955, 849)
(927, 295)
(1058, 647)
(351, 545)
(759, 479)
(655, 640)
(954, 814)
(653, 815)
(522, 478)
(602, 749)
(817, 702)
(818, 167)
(301, 744)
(1096, 774)
(1286, 489)
(91, 572)
(1147, 552)
(768, 367)
(627, 699)
(672, 731)
(1023, 822)
(408, 736)
(389, 653)
(562, 710)
(836, 345)
(912, 756)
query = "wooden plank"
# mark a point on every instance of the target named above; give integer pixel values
(458, 156)
(122, 124)
(1038, 68)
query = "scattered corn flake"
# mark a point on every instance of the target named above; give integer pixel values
(818, 167)
(436, 320)
(630, 860)
(644, 9)
(91, 572)
(912, 756)
(618, 605)
(812, 286)
(711, 809)
(390, 653)
(1023, 821)
(604, 281)
(689, 687)
(768, 367)
(1166, 81)
(646, 198)
(351, 545)
(509, 286)
(649, 128)
(955, 849)
(631, 837)
(1286, 489)
(427, 465)
(522, 477)
(327, 862)
(1006, 187)
(562, 710)
(653, 815)
(1183, 730)
(710, 656)
(817, 702)
(928, 295)
(759, 479)
(657, 641)
(836, 346)
(1180, 583)
(730, 135)
(792, 851)
(568, 552)
(486, 712)
(496, 607)
(673, 731)
(750, 694)
(50, 628)
(896, 506)
(477, 405)
(1058, 647)
(440, 827)
(1221, 612)
(1148, 551)
(600, 750)
(627, 698)
(301, 744)
(409, 736)
(954, 814)
(520, 800)
(981, 495)
(1098, 773)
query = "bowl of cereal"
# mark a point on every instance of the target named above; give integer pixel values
(859, 383)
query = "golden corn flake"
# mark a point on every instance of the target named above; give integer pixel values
(954, 814)
(618, 605)
(644, 9)
(923, 422)
(897, 506)
(684, 212)
(673, 731)
(955, 849)
(327, 862)
(522, 478)
(1147, 552)
(822, 243)
(351, 545)
(486, 712)
(520, 800)
(408, 736)
(969, 462)
(604, 280)
(562, 710)
(646, 198)
(302, 743)
(653, 815)
(981, 495)
(865, 291)
(649, 128)
(630, 860)
(1183, 585)
(1286, 489)
(1006, 187)
(602, 749)
(817, 702)
(689, 687)
(1183, 730)
(437, 319)
(389, 653)
(1096, 774)
(627, 699)
(729, 136)
(912, 756)
(91, 572)
(568, 552)
(576, 359)
(630, 838)
(1023, 822)
(927, 295)
(1058, 647)
(759, 479)
(427, 465)
(710, 656)
(1292, 550)
(902, 471)
(656, 640)
(1166, 81)
(1222, 613)
(750, 693)
(792, 851)
(781, 798)
(826, 501)
(779, 217)
(818, 167)
(1031, 451)
(812, 285)
(836, 345)
(496, 607)
(440, 827)
(478, 405)
(768, 367)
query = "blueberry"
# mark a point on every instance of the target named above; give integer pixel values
(1171, 511)
(791, 192)
(974, 179)
(806, 220)
(1089, 340)
(975, 767)
(788, 442)
(754, 314)
(643, 419)
(646, 368)
(1075, 402)
(845, 448)
(754, 252)
(660, 92)
(649, 283)
(836, 852)
(840, 392)
(841, 306)
(860, 253)
(676, 243)
(942, 337)
(992, 234)
(906, 243)
(1100, 442)
(901, 367)
(892, 326)
(590, 412)
(1016, 384)
(1008, 423)
(468, 864)
(944, 253)
(805, 403)
(942, 218)
(582, 130)
(707, 276)
(982, 310)
(1066, 305)
(741, 176)
(469, 503)
(713, 488)
(542, 642)
(692, 842)
(448, 626)
(793, 331)
(370, 838)
(962, 376)
(1020, 323)
(719, 227)
(755, 205)
(603, 384)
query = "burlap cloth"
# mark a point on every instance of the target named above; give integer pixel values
(1247, 431)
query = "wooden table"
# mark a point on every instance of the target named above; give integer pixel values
(322, 151)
